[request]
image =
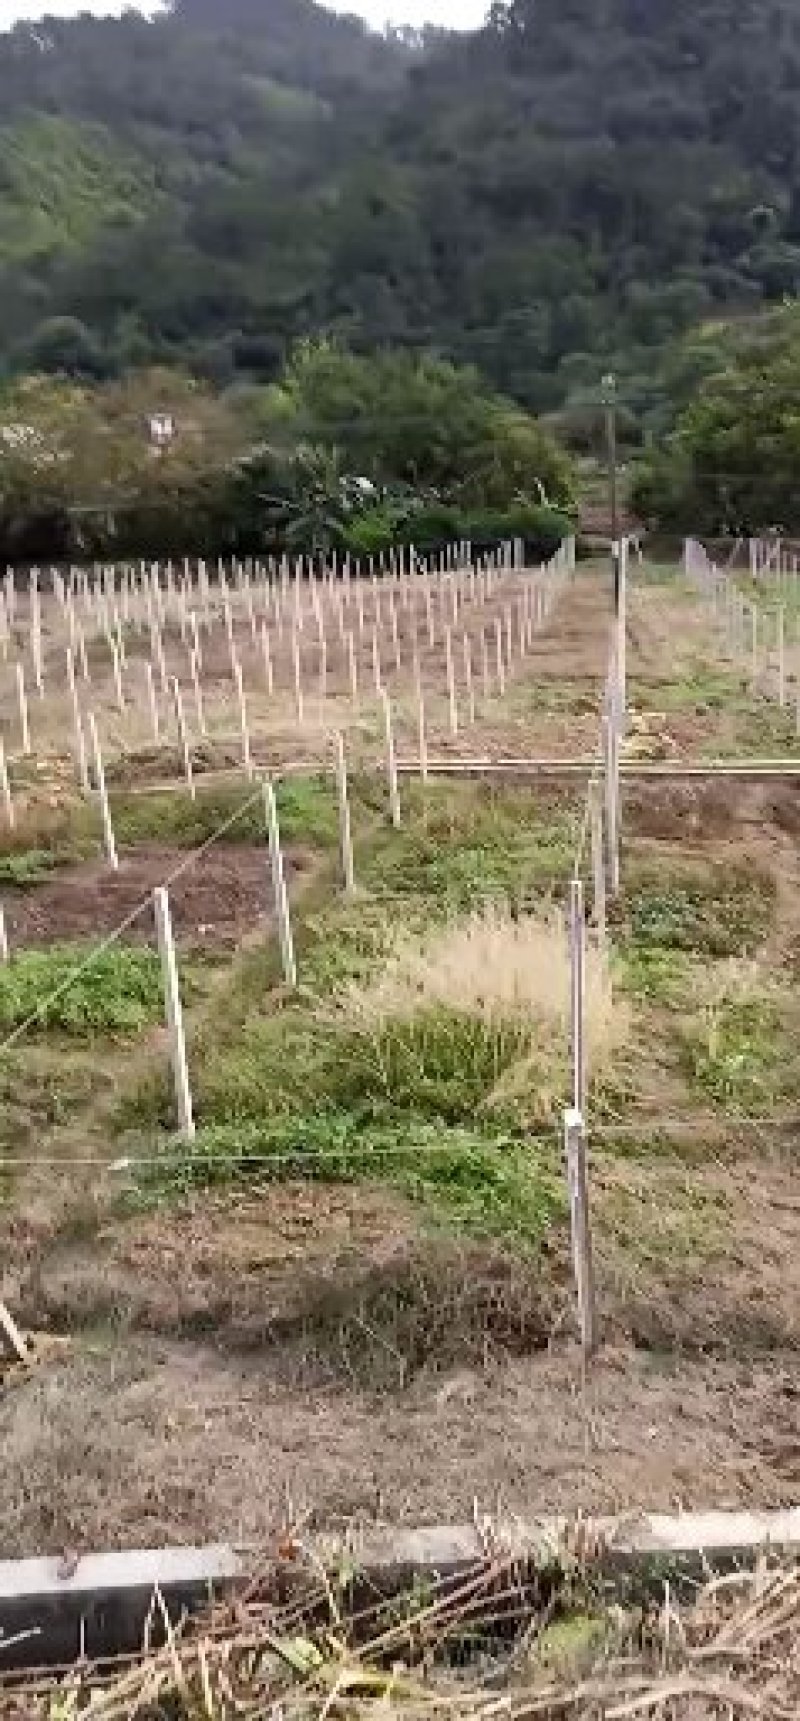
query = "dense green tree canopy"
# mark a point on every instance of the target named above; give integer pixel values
(558, 194)
(342, 448)
(732, 462)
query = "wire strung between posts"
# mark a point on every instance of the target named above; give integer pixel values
(289, 1156)
(108, 943)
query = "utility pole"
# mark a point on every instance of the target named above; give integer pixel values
(610, 404)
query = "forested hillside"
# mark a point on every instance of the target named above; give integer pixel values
(563, 191)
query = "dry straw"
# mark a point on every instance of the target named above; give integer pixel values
(499, 967)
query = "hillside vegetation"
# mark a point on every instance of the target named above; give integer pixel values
(566, 190)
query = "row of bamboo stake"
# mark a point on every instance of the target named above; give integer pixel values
(282, 618)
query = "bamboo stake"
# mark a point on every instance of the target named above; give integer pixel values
(77, 724)
(391, 762)
(280, 893)
(105, 810)
(152, 702)
(5, 788)
(183, 737)
(174, 1014)
(247, 760)
(583, 1267)
(451, 682)
(345, 830)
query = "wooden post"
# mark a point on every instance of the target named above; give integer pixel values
(3, 935)
(395, 635)
(391, 761)
(22, 701)
(622, 635)
(577, 950)
(117, 672)
(105, 811)
(486, 672)
(580, 1225)
(5, 788)
(423, 740)
(501, 674)
(353, 669)
(279, 890)
(174, 1014)
(377, 673)
(183, 737)
(13, 1336)
(345, 830)
(598, 856)
(469, 679)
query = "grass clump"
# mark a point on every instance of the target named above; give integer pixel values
(118, 993)
(460, 850)
(306, 809)
(714, 913)
(735, 1051)
(29, 866)
(483, 1184)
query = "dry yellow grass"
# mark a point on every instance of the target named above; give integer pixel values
(507, 972)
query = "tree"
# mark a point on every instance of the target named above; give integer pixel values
(70, 453)
(733, 460)
(408, 419)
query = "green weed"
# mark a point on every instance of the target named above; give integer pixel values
(30, 866)
(735, 1052)
(486, 1185)
(713, 912)
(119, 993)
(306, 809)
(653, 974)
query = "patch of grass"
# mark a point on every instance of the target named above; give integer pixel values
(655, 975)
(306, 809)
(483, 1184)
(120, 993)
(657, 1215)
(473, 854)
(717, 912)
(29, 866)
(735, 1052)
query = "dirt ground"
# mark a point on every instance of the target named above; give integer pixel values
(214, 905)
(210, 1380)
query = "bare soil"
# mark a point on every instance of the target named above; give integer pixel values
(158, 1441)
(214, 904)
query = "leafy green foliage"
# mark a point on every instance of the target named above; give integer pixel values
(306, 809)
(717, 914)
(546, 199)
(488, 1185)
(731, 462)
(61, 181)
(736, 1052)
(118, 994)
(29, 866)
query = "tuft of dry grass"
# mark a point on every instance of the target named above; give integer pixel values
(505, 970)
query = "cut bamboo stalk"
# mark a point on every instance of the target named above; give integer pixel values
(174, 1015)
